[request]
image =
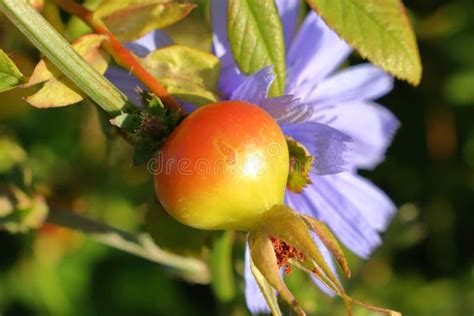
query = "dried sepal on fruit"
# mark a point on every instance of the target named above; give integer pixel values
(282, 238)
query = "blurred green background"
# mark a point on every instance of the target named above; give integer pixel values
(425, 266)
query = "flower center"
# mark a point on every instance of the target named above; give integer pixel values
(285, 253)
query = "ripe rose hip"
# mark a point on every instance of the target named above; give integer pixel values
(223, 166)
(226, 167)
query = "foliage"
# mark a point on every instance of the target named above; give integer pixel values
(379, 30)
(187, 73)
(424, 267)
(130, 20)
(256, 38)
(10, 76)
(147, 129)
(300, 165)
(57, 89)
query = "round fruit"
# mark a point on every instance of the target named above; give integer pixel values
(222, 167)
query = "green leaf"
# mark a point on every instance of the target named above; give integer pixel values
(153, 105)
(156, 109)
(194, 30)
(379, 30)
(128, 122)
(187, 73)
(58, 90)
(301, 162)
(256, 38)
(129, 20)
(10, 76)
(221, 267)
(147, 129)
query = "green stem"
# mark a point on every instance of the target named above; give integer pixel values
(222, 270)
(140, 245)
(63, 56)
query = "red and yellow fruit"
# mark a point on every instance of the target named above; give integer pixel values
(222, 167)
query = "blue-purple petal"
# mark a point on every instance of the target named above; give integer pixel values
(358, 83)
(230, 78)
(287, 109)
(371, 202)
(126, 82)
(253, 296)
(289, 11)
(328, 146)
(254, 89)
(219, 27)
(370, 125)
(149, 43)
(315, 52)
(188, 107)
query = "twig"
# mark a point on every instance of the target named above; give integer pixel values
(137, 244)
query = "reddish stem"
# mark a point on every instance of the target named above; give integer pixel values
(122, 56)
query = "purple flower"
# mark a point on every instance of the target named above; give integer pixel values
(332, 114)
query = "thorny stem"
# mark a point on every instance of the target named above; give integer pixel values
(140, 245)
(122, 56)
